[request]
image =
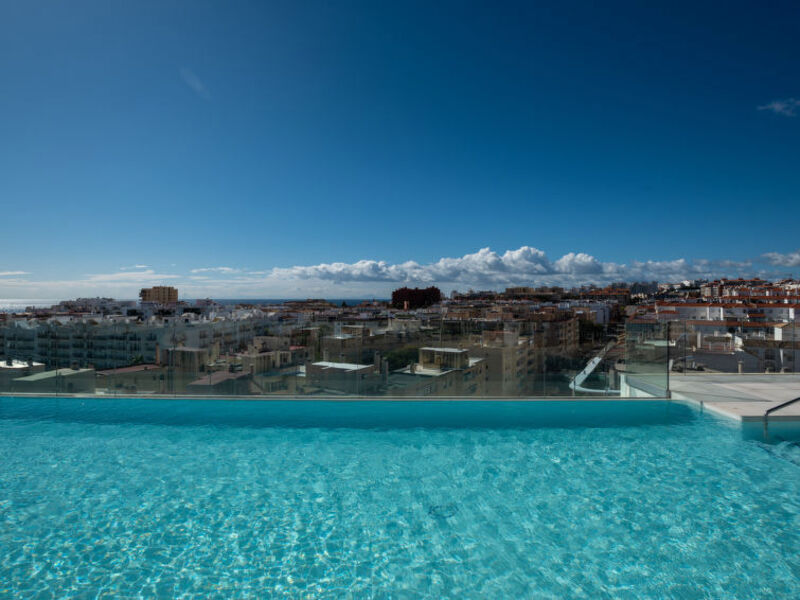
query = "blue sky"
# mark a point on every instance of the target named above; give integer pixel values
(343, 148)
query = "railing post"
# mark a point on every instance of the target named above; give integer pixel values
(667, 390)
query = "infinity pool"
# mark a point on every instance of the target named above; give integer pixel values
(146, 498)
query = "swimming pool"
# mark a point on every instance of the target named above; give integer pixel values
(163, 498)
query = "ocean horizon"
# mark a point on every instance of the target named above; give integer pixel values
(20, 304)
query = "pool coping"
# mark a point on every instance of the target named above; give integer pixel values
(306, 398)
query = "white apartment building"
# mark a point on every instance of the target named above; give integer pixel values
(111, 342)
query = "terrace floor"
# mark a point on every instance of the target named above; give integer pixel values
(742, 397)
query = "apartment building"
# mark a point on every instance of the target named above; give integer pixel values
(509, 362)
(264, 362)
(557, 335)
(343, 378)
(160, 294)
(722, 311)
(111, 342)
(357, 345)
(441, 371)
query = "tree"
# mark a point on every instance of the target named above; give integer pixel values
(590, 332)
(416, 297)
(401, 357)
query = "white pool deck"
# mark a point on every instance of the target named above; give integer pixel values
(741, 397)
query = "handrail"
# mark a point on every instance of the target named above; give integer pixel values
(769, 411)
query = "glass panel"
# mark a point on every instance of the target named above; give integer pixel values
(726, 346)
(482, 346)
(647, 358)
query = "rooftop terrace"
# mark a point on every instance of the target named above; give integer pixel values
(741, 397)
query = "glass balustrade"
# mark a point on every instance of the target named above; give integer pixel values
(315, 349)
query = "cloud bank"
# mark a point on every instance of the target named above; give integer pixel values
(525, 265)
(792, 259)
(216, 270)
(483, 269)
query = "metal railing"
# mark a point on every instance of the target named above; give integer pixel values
(769, 411)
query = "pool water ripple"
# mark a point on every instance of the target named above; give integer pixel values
(125, 510)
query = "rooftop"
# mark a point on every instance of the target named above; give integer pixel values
(459, 350)
(340, 365)
(54, 373)
(18, 364)
(131, 369)
(218, 377)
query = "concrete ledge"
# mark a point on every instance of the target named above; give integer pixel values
(283, 398)
(744, 398)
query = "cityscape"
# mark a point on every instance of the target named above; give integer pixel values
(369, 300)
(519, 342)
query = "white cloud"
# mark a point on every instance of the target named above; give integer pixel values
(195, 83)
(146, 276)
(134, 267)
(525, 265)
(485, 266)
(578, 264)
(123, 285)
(792, 259)
(483, 269)
(216, 270)
(787, 107)
(723, 264)
(12, 273)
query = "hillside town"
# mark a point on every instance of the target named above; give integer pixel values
(522, 341)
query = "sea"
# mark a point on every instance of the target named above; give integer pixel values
(20, 304)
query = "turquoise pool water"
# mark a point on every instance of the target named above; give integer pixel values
(143, 498)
